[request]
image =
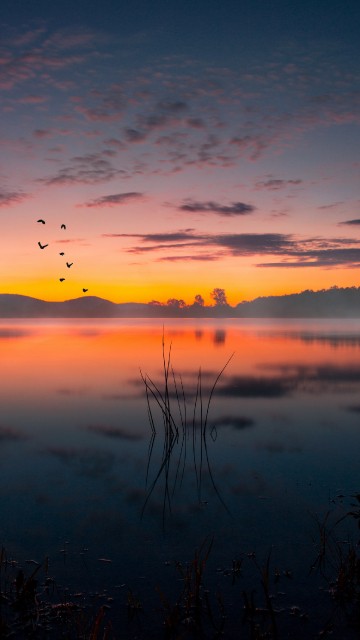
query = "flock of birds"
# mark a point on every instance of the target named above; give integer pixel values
(43, 246)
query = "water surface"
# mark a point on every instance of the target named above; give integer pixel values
(282, 441)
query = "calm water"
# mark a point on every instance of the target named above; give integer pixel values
(282, 441)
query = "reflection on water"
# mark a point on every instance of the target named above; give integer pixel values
(282, 438)
(181, 423)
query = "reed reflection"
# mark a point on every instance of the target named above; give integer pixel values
(181, 424)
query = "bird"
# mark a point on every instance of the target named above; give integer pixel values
(61, 253)
(61, 279)
(41, 220)
(63, 226)
(42, 246)
(85, 290)
(69, 264)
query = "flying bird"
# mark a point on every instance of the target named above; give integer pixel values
(62, 253)
(61, 279)
(69, 264)
(41, 220)
(85, 290)
(42, 246)
(63, 226)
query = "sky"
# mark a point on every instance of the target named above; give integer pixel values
(184, 145)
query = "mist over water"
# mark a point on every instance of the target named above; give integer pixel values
(282, 442)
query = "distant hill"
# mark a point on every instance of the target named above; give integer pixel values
(330, 303)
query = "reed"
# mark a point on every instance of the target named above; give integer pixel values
(168, 409)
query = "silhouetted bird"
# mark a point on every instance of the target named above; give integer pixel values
(61, 279)
(69, 264)
(85, 290)
(63, 226)
(61, 254)
(41, 220)
(42, 246)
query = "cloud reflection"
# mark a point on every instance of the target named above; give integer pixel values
(114, 432)
(87, 462)
(9, 434)
(235, 422)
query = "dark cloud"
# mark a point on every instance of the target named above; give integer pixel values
(235, 209)
(274, 185)
(176, 106)
(354, 222)
(320, 258)
(134, 135)
(114, 199)
(196, 123)
(293, 251)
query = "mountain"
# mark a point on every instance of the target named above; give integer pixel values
(328, 303)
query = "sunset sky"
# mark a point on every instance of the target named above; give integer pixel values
(185, 145)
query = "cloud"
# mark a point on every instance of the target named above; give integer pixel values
(235, 209)
(91, 168)
(42, 133)
(293, 251)
(11, 197)
(205, 257)
(114, 199)
(321, 258)
(134, 135)
(274, 184)
(351, 223)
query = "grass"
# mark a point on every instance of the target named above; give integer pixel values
(246, 600)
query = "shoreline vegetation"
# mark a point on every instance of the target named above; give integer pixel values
(335, 302)
(259, 599)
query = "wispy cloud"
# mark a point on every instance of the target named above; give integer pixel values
(8, 198)
(114, 199)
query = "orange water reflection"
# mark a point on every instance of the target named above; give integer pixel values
(103, 355)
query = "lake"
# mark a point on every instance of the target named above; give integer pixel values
(119, 508)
